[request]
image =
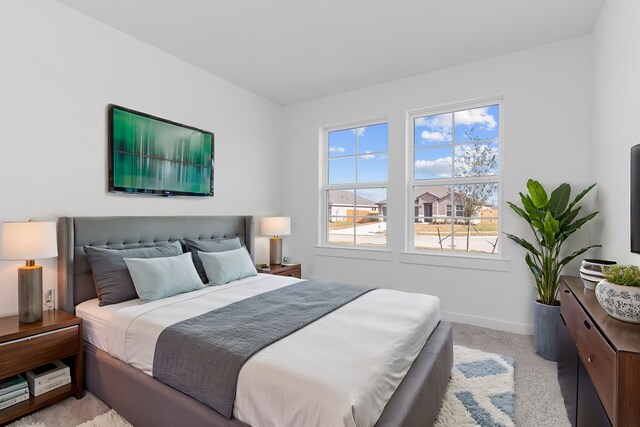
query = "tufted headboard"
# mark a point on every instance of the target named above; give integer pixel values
(75, 281)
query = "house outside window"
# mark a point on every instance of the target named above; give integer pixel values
(455, 161)
(354, 190)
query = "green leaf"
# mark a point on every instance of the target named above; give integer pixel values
(537, 273)
(572, 228)
(559, 199)
(551, 226)
(568, 259)
(581, 195)
(537, 193)
(568, 216)
(520, 212)
(528, 246)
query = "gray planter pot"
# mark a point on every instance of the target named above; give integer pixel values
(546, 319)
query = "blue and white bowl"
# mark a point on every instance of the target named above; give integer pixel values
(621, 302)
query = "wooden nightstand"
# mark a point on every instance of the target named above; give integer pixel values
(58, 336)
(281, 270)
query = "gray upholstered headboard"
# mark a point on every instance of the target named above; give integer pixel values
(75, 282)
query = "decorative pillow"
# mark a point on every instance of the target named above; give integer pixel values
(110, 273)
(225, 267)
(215, 245)
(158, 278)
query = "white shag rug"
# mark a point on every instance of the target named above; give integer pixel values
(481, 391)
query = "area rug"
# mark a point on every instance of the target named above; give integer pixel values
(481, 391)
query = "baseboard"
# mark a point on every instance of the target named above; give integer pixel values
(485, 322)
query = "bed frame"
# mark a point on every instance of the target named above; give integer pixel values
(143, 400)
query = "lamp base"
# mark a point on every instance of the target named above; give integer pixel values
(30, 294)
(275, 250)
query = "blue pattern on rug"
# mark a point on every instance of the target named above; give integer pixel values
(504, 402)
(481, 368)
(479, 415)
(510, 360)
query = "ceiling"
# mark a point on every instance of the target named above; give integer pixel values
(290, 51)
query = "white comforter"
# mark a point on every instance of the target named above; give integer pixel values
(338, 371)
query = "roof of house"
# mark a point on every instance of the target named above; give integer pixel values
(339, 197)
(439, 191)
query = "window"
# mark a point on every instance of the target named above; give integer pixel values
(355, 185)
(456, 162)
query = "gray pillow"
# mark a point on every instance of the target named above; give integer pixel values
(164, 277)
(215, 245)
(110, 273)
(227, 266)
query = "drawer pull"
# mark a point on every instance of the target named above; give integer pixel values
(587, 325)
(590, 358)
(567, 291)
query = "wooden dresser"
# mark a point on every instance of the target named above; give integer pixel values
(599, 361)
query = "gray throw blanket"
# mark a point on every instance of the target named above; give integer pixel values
(202, 356)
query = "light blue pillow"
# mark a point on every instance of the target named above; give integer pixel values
(227, 266)
(158, 278)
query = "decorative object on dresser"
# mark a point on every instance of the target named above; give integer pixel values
(291, 270)
(591, 272)
(275, 226)
(23, 347)
(29, 241)
(619, 292)
(552, 220)
(599, 361)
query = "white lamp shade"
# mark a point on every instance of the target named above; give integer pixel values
(28, 240)
(275, 226)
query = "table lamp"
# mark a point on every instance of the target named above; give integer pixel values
(275, 226)
(29, 241)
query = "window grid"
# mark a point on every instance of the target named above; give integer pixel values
(449, 219)
(355, 218)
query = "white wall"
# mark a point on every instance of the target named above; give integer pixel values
(616, 121)
(59, 70)
(546, 115)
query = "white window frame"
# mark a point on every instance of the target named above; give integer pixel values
(323, 240)
(411, 182)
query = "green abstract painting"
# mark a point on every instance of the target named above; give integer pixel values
(154, 156)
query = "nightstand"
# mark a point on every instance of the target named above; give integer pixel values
(281, 270)
(24, 346)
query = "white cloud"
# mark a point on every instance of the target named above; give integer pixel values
(477, 116)
(360, 131)
(336, 149)
(439, 167)
(436, 136)
(441, 121)
(368, 155)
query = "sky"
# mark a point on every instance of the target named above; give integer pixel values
(359, 155)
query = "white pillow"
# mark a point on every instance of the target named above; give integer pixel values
(227, 266)
(158, 278)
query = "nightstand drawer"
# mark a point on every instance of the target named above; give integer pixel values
(27, 353)
(292, 272)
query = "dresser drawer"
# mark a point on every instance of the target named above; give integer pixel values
(600, 361)
(570, 310)
(27, 353)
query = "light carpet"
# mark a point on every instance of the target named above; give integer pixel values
(481, 393)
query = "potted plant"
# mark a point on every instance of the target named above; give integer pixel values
(552, 219)
(619, 292)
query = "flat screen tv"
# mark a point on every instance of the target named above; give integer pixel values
(635, 199)
(150, 155)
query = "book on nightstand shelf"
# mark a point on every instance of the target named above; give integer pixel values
(13, 390)
(48, 377)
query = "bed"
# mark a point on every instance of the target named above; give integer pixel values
(145, 401)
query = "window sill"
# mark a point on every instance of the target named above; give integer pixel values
(351, 252)
(456, 261)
